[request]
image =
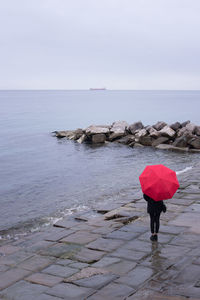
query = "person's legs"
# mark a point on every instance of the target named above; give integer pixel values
(157, 222)
(152, 223)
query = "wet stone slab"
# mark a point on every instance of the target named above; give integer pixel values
(106, 245)
(89, 256)
(172, 229)
(96, 281)
(133, 227)
(61, 250)
(190, 274)
(11, 276)
(15, 258)
(23, 290)
(80, 237)
(44, 279)
(35, 263)
(121, 235)
(59, 234)
(186, 239)
(128, 254)
(122, 267)
(72, 291)
(136, 277)
(173, 252)
(58, 270)
(113, 291)
(67, 223)
(189, 219)
(143, 246)
(115, 265)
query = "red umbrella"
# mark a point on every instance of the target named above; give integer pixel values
(159, 182)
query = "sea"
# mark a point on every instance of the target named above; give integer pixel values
(43, 179)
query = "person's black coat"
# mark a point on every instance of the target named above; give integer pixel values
(154, 207)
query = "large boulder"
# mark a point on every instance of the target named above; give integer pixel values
(153, 132)
(96, 129)
(181, 141)
(190, 127)
(197, 130)
(175, 126)
(184, 132)
(63, 133)
(159, 125)
(171, 147)
(167, 131)
(146, 140)
(195, 142)
(160, 140)
(126, 140)
(82, 139)
(70, 134)
(135, 126)
(185, 123)
(98, 138)
(140, 133)
(119, 127)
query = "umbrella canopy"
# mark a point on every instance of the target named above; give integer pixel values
(159, 182)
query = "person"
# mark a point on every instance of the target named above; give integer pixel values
(154, 209)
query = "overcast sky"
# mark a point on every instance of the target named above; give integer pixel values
(118, 44)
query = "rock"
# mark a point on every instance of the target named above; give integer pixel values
(160, 140)
(170, 147)
(195, 142)
(78, 133)
(138, 145)
(164, 147)
(190, 127)
(98, 138)
(185, 123)
(140, 133)
(82, 139)
(126, 140)
(167, 131)
(175, 126)
(197, 130)
(153, 132)
(146, 140)
(64, 133)
(96, 129)
(184, 132)
(115, 135)
(159, 125)
(181, 141)
(135, 126)
(119, 127)
(70, 134)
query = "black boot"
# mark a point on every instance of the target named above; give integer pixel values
(152, 237)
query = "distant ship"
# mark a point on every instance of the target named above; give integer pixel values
(98, 89)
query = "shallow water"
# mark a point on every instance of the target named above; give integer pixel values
(42, 176)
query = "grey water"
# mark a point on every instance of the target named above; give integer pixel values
(42, 177)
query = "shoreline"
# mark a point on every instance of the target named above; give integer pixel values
(109, 254)
(41, 224)
(105, 252)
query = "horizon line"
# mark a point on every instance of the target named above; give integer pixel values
(103, 90)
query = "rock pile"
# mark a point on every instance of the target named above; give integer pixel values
(177, 136)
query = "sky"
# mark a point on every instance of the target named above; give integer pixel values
(117, 44)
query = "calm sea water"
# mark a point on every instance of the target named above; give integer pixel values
(43, 177)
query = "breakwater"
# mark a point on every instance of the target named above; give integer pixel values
(177, 136)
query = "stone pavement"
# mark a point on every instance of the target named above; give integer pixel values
(108, 255)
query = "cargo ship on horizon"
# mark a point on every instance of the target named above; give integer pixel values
(98, 89)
